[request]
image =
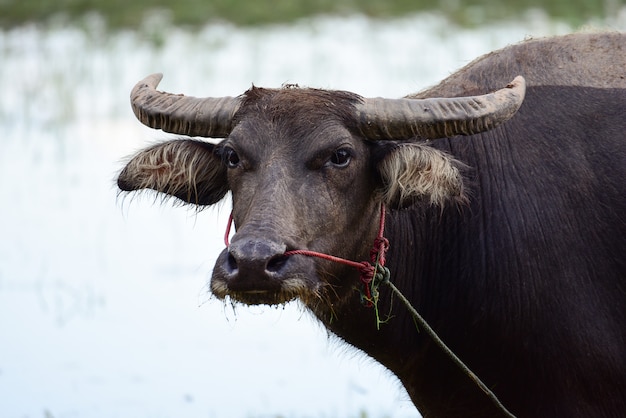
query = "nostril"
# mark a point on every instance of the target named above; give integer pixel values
(231, 262)
(276, 263)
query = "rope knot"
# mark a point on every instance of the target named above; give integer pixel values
(372, 275)
(382, 275)
(379, 250)
(367, 272)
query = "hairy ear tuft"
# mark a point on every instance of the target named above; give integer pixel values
(186, 169)
(416, 172)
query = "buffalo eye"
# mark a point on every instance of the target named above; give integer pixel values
(341, 157)
(230, 157)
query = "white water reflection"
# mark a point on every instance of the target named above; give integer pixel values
(103, 306)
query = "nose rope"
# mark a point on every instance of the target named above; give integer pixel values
(368, 270)
(372, 274)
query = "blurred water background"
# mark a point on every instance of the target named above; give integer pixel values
(104, 308)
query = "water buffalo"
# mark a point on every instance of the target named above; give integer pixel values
(508, 236)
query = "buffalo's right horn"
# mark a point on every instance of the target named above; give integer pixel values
(402, 119)
(178, 114)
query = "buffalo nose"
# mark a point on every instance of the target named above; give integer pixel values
(255, 258)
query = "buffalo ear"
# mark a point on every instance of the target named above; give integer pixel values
(187, 169)
(412, 173)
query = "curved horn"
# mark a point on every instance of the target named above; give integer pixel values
(178, 114)
(403, 119)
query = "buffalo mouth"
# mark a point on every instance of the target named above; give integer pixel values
(291, 278)
(289, 289)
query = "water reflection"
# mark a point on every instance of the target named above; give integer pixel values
(103, 305)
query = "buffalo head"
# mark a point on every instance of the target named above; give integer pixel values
(307, 169)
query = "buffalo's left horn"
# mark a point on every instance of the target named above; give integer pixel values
(178, 114)
(402, 119)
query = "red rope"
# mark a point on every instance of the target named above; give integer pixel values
(356, 265)
(367, 269)
(230, 222)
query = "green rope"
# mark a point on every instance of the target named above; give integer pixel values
(422, 322)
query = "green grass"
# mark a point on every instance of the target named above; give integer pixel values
(195, 13)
